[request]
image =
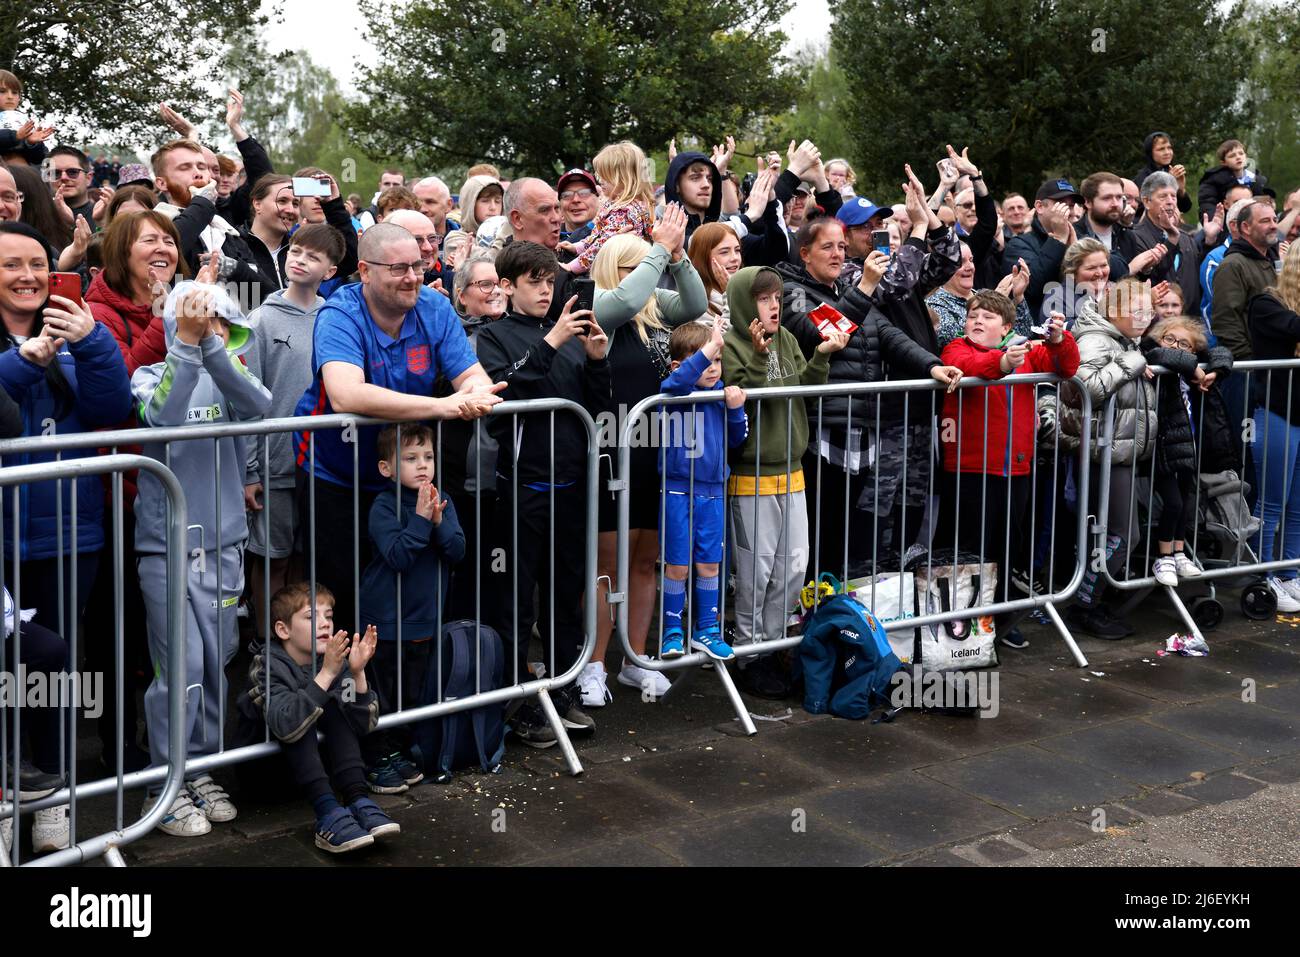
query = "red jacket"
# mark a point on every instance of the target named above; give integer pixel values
(1004, 458)
(143, 341)
(139, 333)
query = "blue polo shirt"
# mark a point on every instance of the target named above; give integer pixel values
(431, 343)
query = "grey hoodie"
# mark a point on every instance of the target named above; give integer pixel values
(279, 355)
(198, 385)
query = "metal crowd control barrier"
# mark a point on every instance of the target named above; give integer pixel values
(1230, 552)
(539, 687)
(109, 843)
(1045, 598)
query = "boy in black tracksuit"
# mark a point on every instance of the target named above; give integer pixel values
(540, 499)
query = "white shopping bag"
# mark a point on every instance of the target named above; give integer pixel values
(963, 642)
(888, 605)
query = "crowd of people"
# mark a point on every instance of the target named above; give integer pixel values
(212, 288)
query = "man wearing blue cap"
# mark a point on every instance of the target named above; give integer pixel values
(1043, 246)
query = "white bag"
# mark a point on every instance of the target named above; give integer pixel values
(887, 607)
(963, 642)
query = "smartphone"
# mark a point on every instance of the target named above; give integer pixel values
(585, 289)
(310, 186)
(47, 172)
(1015, 270)
(880, 240)
(67, 285)
(949, 171)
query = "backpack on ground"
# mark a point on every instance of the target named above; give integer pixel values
(847, 660)
(463, 739)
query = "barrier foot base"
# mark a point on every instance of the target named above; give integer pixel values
(1068, 638)
(113, 857)
(1183, 613)
(561, 735)
(742, 712)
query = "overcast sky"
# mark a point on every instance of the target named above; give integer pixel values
(331, 30)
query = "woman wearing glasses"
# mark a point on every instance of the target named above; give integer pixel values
(1193, 428)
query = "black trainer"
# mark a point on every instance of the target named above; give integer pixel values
(1090, 620)
(1014, 639)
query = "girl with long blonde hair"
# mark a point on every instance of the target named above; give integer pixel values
(628, 203)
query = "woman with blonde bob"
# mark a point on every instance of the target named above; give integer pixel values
(637, 317)
(628, 204)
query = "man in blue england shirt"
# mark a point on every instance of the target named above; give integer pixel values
(379, 347)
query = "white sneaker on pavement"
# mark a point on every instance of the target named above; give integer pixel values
(182, 819)
(651, 683)
(211, 799)
(1285, 600)
(50, 829)
(1185, 567)
(1166, 571)
(593, 683)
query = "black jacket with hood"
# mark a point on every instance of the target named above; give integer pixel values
(1184, 201)
(874, 342)
(1176, 439)
(1216, 183)
(765, 243)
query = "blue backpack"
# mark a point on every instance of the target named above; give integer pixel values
(847, 661)
(463, 739)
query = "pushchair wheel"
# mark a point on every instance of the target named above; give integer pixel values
(1207, 613)
(1258, 603)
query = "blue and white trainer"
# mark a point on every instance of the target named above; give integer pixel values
(373, 820)
(710, 642)
(672, 645)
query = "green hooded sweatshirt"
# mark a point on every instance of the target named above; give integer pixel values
(784, 432)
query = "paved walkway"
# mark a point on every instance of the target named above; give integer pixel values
(1137, 759)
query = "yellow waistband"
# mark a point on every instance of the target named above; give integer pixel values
(766, 484)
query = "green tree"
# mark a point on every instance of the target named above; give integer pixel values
(1035, 89)
(820, 107)
(104, 67)
(542, 87)
(1273, 86)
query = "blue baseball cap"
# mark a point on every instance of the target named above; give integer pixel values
(858, 210)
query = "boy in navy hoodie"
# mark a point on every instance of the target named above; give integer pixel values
(695, 486)
(416, 537)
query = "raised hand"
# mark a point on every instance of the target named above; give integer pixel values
(234, 109)
(336, 652)
(672, 149)
(713, 348)
(362, 650)
(101, 205)
(211, 265)
(424, 502)
(961, 161)
(177, 122)
(670, 231)
(758, 337)
(722, 154)
(803, 157)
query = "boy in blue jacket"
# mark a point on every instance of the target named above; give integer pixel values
(695, 486)
(201, 382)
(417, 539)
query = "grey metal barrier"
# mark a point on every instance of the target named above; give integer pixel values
(324, 511)
(71, 791)
(1234, 529)
(844, 483)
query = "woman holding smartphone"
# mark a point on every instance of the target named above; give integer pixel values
(67, 376)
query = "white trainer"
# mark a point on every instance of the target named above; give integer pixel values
(1166, 571)
(650, 683)
(182, 819)
(211, 799)
(1285, 600)
(50, 829)
(1292, 585)
(593, 683)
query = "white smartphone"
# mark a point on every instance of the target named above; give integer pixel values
(309, 186)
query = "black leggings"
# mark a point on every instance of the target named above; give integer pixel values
(342, 751)
(1177, 491)
(42, 652)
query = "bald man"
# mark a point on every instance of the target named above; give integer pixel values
(426, 236)
(11, 207)
(380, 346)
(435, 203)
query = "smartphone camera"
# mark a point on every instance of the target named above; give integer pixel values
(880, 241)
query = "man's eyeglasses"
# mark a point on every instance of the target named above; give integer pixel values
(399, 270)
(569, 194)
(57, 174)
(1173, 342)
(484, 286)
(11, 198)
